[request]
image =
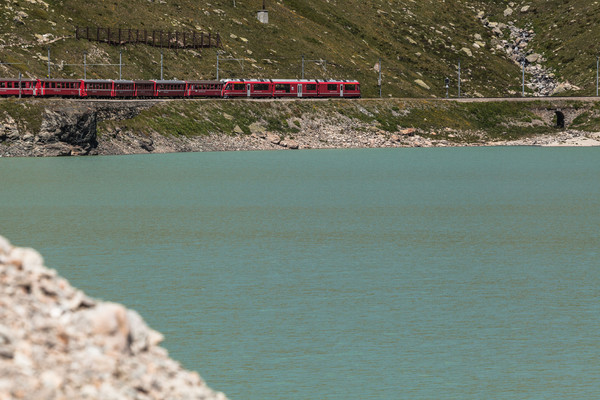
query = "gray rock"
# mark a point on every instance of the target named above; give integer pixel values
(533, 58)
(273, 138)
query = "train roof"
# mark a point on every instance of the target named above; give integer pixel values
(17, 79)
(166, 81)
(59, 80)
(97, 80)
(123, 81)
(204, 81)
(291, 80)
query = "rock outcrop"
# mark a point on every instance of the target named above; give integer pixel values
(66, 127)
(57, 343)
(541, 80)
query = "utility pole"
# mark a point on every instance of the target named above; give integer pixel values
(523, 78)
(161, 64)
(459, 79)
(597, 65)
(85, 65)
(120, 62)
(379, 80)
(303, 67)
(217, 66)
(48, 62)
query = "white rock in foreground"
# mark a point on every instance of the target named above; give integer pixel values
(57, 343)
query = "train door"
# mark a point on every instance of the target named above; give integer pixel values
(341, 90)
(248, 89)
(299, 90)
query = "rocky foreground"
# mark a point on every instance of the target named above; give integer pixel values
(57, 343)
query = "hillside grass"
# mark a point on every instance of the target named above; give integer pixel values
(415, 40)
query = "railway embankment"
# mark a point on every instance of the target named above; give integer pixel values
(59, 127)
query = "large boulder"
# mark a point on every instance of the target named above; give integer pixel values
(56, 343)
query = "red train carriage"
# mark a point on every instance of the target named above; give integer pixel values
(235, 88)
(97, 87)
(260, 88)
(144, 88)
(10, 87)
(308, 88)
(287, 88)
(351, 89)
(339, 88)
(204, 88)
(59, 87)
(123, 88)
(170, 88)
(248, 88)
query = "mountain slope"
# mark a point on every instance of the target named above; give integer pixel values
(419, 42)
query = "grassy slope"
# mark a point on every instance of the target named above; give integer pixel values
(415, 39)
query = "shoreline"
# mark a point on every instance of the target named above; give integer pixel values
(58, 127)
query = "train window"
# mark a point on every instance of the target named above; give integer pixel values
(239, 86)
(2, 84)
(283, 87)
(311, 86)
(332, 86)
(261, 86)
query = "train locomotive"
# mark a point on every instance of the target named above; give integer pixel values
(132, 89)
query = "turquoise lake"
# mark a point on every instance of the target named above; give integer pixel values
(449, 273)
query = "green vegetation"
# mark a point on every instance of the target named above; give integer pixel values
(416, 40)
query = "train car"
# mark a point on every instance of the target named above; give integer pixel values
(287, 88)
(248, 88)
(204, 88)
(169, 88)
(123, 88)
(308, 88)
(260, 88)
(351, 89)
(341, 88)
(60, 87)
(10, 87)
(235, 88)
(330, 89)
(144, 88)
(97, 88)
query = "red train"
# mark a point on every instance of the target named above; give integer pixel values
(229, 88)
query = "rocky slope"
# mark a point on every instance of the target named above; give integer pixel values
(57, 343)
(69, 127)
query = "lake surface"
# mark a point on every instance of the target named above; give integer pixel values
(459, 273)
